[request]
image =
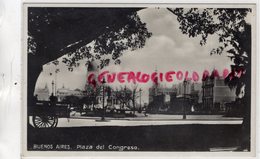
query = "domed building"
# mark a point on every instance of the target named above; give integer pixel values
(63, 92)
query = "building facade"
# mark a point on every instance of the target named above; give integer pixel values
(63, 92)
(160, 97)
(216, 95)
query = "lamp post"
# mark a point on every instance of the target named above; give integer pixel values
(55, 88)
(103, 100)
(184, 99)
(52, 84)
(124, 103)
(134, 93)
(140, 91)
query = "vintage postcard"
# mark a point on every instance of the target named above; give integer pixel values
(166, 78)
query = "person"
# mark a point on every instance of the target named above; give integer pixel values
(53, 100)
(145, 110)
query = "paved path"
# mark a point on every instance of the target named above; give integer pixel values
(64, 122)
(152, 119)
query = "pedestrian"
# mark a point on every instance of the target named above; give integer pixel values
(145, 109)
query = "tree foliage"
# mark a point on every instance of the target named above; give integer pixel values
(234, 36)
(124, 96)
(111, 45)
(78, 32)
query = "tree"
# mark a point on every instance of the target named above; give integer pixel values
(124, 96)
(71, 99)
(134, 91)
(234, 35)
(54, 32)
(91, 95)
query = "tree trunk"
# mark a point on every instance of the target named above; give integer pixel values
(246, 125)
(134, 102)
(34, 69)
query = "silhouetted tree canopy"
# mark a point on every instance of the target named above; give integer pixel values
(81, 34)
(124, 96)
(54, 32)
(234, 35)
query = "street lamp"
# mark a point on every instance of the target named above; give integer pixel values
(140, 91)
(52, 84)
(124, 103)
(184, 98)
(55, 88)
(103, 100)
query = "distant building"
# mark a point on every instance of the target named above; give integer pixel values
(216, 94)
(174, 98)
(42, 93)
(190, 87)
(63, 92)
(188, 97)
(160, 97)
(178, 103)
(159, 91)
(207, 96)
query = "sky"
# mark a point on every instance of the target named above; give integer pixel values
(167, 50)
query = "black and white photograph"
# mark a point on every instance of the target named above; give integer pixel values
(148, 78)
